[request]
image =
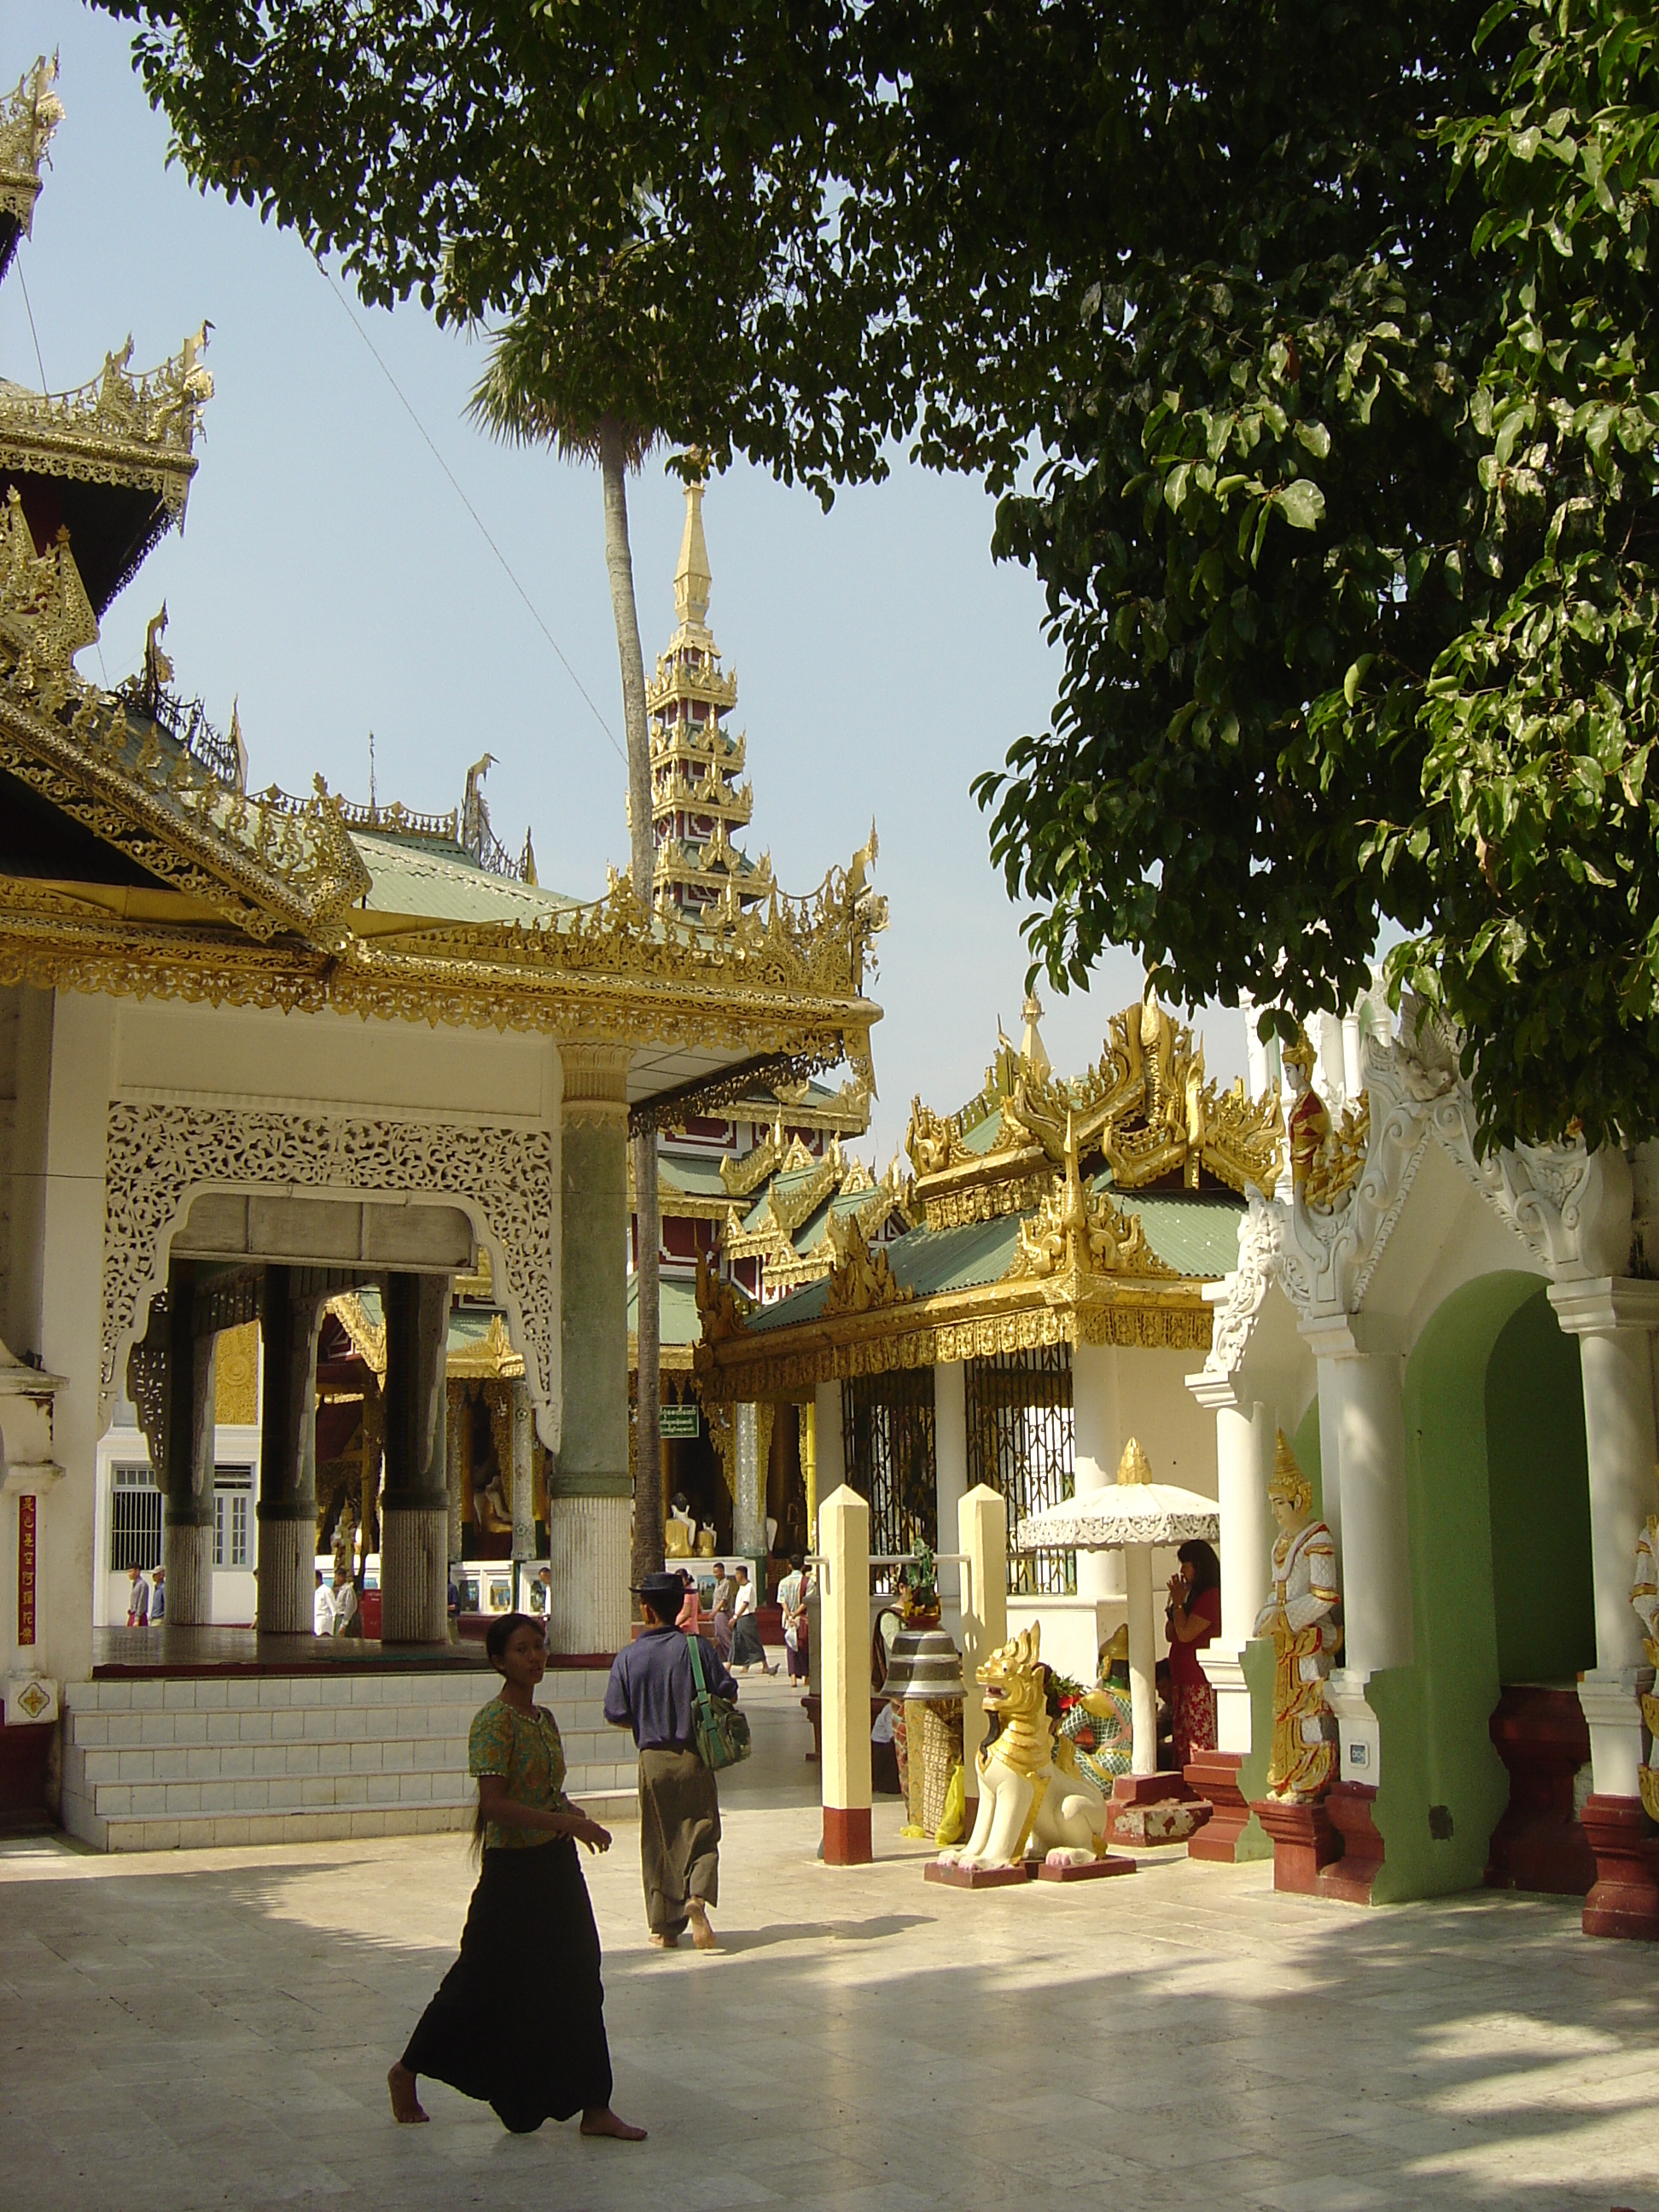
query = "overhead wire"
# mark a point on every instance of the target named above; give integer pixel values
(28, 307)
(455, 485)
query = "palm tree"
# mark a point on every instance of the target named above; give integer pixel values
(512, 402)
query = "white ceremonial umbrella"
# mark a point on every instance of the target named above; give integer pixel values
(1130, 1515)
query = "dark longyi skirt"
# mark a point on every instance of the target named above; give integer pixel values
(519, 2020)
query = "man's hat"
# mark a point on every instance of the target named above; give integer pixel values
(664, 1593)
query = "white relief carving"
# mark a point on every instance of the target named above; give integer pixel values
(1260, 1235)
(161, 1155)
(1572, 1208)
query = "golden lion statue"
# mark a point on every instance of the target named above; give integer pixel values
(1033, 1801)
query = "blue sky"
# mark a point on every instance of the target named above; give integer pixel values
(330, 577)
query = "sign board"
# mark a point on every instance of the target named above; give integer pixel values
(27, 1507)
(679, 1421)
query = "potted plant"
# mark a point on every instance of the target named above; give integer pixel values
(918, 1593)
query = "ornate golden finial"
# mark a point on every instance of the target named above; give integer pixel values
(158, 669)
(239, 743)
(1134, 1467)
(1288, 1481)
(692, 581)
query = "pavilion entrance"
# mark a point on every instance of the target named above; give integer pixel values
(1486, 1750)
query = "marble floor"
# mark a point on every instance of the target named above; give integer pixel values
(213, 2029)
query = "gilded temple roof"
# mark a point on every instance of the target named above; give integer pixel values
(1089, 1210)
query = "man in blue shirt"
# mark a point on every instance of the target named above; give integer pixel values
(651, 1691)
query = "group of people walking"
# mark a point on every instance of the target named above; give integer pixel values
(531, 1922)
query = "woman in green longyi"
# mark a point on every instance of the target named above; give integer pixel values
(529, 1929)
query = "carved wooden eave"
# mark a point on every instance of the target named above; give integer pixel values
(491, 1359)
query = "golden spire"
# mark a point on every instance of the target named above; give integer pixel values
(692, 581)
(1031, 1048)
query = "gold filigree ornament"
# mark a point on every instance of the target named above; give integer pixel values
(1336, 1166)
(862, 1280)
(1077, 1238)
(28, 116)
(46, 617)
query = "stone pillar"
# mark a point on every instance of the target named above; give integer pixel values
(524, 1475)
(187, 1430)
(289, 1314)
(749, 1494)
(414, 1503)
(1613, 1319)
(1098, 1445)
(950, 1478)
(844, 1634)
(589, 1493)
(982, 1535)
(1362, 1456)
(454, 1460)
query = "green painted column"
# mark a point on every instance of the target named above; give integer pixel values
(589, 1500)
(415, 1504)
(188, 1438)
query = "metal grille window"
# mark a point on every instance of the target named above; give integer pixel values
(233, 1517)
(887, 1434)
(135, 1519)
(1020, 1441)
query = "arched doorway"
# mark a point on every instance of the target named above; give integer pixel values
(1497, 1497)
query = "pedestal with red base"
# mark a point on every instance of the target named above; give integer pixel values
(1542, 1739)
(1348, 1807)
(1153, 1808)
(846, 1836)
(1625, 1900)
(1213, 1776)
(1097, 1871)
(1304, 1841)
(998, 1877)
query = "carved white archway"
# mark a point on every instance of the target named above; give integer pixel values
(163, 1153)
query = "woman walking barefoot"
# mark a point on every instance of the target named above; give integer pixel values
(530, 1927)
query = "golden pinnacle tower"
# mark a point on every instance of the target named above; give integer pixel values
(697, 802)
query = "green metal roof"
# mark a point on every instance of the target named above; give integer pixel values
(925, 1261)
(697, 1178)
(441, 882)
(677, 1310)
(984, 1134)
(1196, 1232)
(468, 1325)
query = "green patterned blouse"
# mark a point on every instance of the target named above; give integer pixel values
(524, 1750)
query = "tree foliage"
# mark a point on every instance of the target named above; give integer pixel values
(1348, 536)
(1327, 322)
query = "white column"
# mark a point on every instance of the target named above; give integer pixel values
(1096, 1447)
(844, 1667)
(950, 1478)
(1613, 1319)
(1244, 1436)
(1143, 1660)
(1361, 1414)
(982, 1535)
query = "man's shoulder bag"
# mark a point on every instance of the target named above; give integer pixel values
(721, 1731)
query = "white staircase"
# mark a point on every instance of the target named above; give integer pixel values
(171, 1762)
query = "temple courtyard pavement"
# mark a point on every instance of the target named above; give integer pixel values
(212, 2028)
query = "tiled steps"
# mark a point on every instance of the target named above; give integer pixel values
(182, 1763)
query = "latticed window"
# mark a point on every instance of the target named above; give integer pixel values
(233, 1517)
(887, 1434)
(1020, 1440)
(134, 1519)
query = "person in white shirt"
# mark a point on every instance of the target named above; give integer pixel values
(747, 1650)
(345, 1606)
(322, 1608)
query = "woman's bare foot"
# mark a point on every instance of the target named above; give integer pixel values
(604, 2122)
(405, 2105)
(665, 1942)
(701, 1934)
